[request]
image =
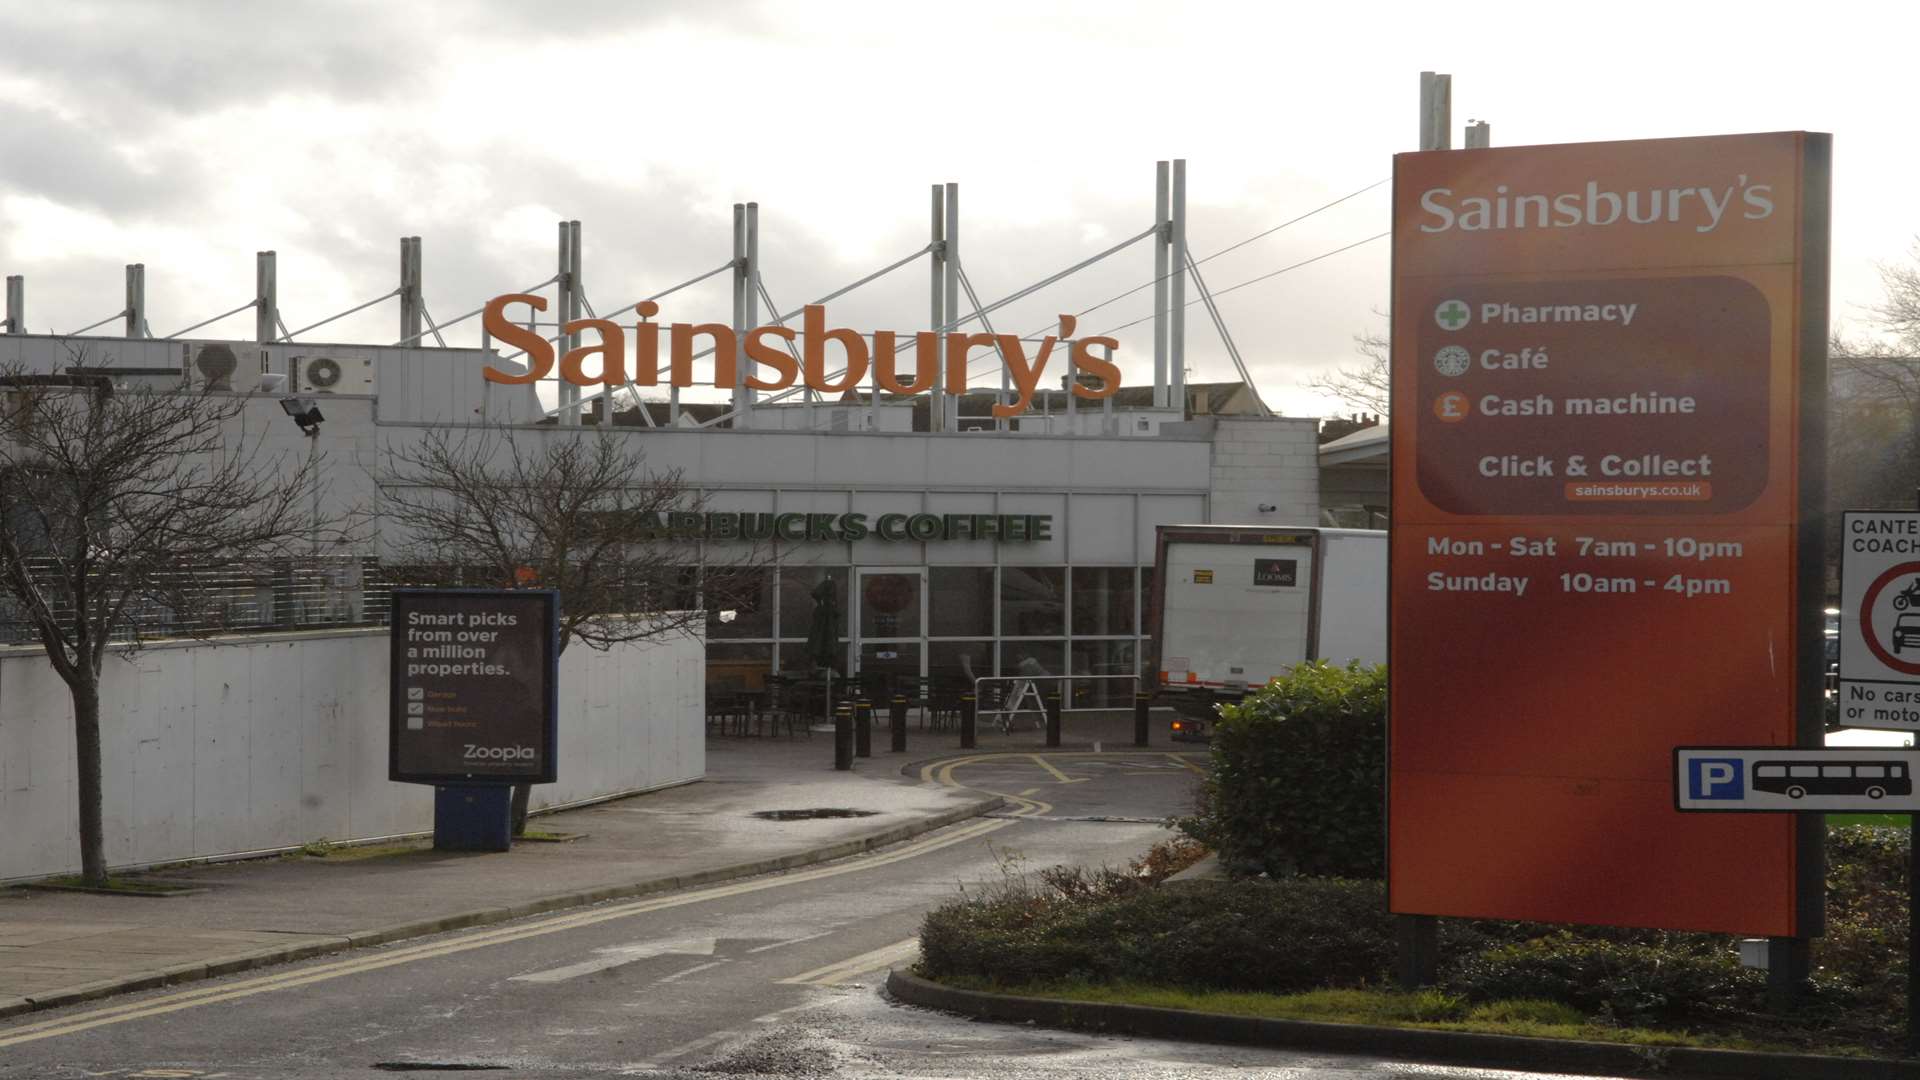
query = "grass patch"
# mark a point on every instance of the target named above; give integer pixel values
(1430, 1010)
(321, 849)
(550, 836)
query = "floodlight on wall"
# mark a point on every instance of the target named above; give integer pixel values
(304, 412)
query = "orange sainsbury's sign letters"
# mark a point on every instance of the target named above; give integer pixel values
(766, 347)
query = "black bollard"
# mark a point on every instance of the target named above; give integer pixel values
(1141, 700)
(1053, 719)
(898, 717)
(863, 728)
(967, 709)
(842, 737)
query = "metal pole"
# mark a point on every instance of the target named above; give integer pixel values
(136, 300)
(1177, 315)
(266, 307)
(411, 306)
(1479, 135)
(1436, 111)
(569, 394)
(266, 291)
(898, 720)
(17, 304)
(1108, 422)
(745, 419)
(1161, 222)
(969, 711)
(1141, 701)
(938, 317)
(1073, 403)
(739, 314)
(1418, 936)
(1913, 914)
(1052, 706)
(842, 736)
(950, 408)
(863, 727)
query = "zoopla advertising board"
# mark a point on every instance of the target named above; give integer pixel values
(474, 686)
(1608, 397)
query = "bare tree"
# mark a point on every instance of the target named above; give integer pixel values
(121, 514)
(579, 513)
(1874, 401)
(1365, 386)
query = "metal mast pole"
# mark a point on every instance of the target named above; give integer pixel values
(936, 412)
(137, 300)
(1162, 238)
(266, 303)
(16, 304)
(739, 315)
(1479, 135)
(1436, 111)
(411, 301)
(950, 410)
(746, 419)
(1177, 313)
(566, 262)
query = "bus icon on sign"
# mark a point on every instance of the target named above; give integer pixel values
(1716, 778)
(1798, 779)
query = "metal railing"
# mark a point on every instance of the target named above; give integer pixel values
(1010, 699)
(307, 593)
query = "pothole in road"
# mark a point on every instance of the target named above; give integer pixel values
(810, 815)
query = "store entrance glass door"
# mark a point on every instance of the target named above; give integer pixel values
(890, 619)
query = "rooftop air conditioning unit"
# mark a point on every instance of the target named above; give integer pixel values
(333, 374)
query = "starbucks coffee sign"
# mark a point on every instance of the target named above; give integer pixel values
(840, 528)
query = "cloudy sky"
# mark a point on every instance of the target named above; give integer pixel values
(188, 135)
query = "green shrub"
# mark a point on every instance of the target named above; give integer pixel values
(1626, 982)
(1297, 778)
(1232, 935)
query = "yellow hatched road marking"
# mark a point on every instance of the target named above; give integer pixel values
(170, 1003)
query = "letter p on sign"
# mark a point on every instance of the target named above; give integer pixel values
(1716, 778)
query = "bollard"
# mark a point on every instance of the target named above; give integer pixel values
(842, 737)
(863, 728)
(1053, 719)
(1141, 699)
(898, 717)
(967, 707)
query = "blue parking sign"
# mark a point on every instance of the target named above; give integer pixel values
(1716, 778)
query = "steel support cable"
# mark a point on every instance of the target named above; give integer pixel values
(248, 306)
(1262, 277)
(331, 318)
(435, 329)
(431, 329)
(1225, 250)
(1220, 324)
(978, 314)
(985, 324)
(121, 314)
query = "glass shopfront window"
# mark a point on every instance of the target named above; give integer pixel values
(960, 601)
(1104, 658)
(1050, 655)
(740, 603)
(734, 668)
(796, 598)
(1102, 600)
(959, 661)
(1033, 601)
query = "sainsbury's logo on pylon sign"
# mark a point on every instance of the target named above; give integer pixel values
(930, 356)
(1704, 208)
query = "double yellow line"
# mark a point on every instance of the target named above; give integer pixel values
(213, 995)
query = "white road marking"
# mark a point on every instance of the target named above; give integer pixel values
(617, 955)
(678, 975)
(856, 966)
(792, 941)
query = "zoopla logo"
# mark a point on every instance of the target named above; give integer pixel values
(476, 752)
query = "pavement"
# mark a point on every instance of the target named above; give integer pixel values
(57, 948)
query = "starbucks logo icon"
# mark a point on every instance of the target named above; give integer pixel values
(1452, 360)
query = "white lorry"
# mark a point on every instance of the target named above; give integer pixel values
(1236, 605)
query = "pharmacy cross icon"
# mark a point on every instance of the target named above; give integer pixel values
(1452, 315)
